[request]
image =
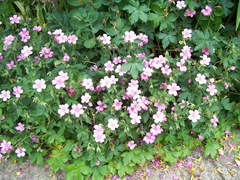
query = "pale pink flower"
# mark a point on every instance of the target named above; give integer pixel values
(149, 138)
(72, 39)
(99, 137)
(113, 124)
(62, 38)
(166, 70)
(214, 121)
(24, 35)
(63, 75)
(201, 78)
(77, 110)
(207, 11)
(5, 146)
(129, 36)
(46, 52)
(57, 32)
(105, 39)
(8, 40)
(26, 51)
(180, 4)
(5, 95)
(17, 91)
(98, 129)
(39, 85)
(186, 52)
(20, 152)
(205, 60)
(14, 19)
(158, 62)
(159, 117)
(109, 66)
(87, 83)
(11, 65)
(119, 70)
(173, 89)
(117, 104)
(232, 68)
(63, 109)
(58, 82)
(194, 115)
(212, 89)
(85, 98)
(20, 127)
(37, 28)
(135, 118)
(181, 66)
(131, 144)
(187, 33)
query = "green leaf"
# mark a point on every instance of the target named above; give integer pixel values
(212, 149)
(238, 17)
(134, 72)
(90, 43)
(68, 146)
(76, 2)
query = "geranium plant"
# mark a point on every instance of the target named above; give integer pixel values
(123, 104)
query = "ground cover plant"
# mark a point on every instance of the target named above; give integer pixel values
(104, 87)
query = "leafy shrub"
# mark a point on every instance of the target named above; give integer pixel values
(99, 99)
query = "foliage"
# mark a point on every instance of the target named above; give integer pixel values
(107, 86)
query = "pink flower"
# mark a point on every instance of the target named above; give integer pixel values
(101, 106)
(212, 89)
(63, 109)
(190, 13)
(194, 115)
(66, 57)
(186, 53)
(37, 28)
(181, 4)
(17, 91)
(11, 65)
(201, 78)
(105, 39)
(39, 85)
(5, 146)
(14, 19)
(159, 117)
(173, 89)
(206, 51)
(156, 129)
(117, 104)
(72, 39)
(232, 68)
(98, 129)
(77, 110)
(5, 95)
(46, 52)
(149, 138)
(181, 65)
(20, 152)
(187, 33)
(20, 127)
(131, 144)
(24, 35)
(113, 124)
(129, 36)
(214, 121)
(8, 40)
(207, 11)
(26, 51)
(201, 138)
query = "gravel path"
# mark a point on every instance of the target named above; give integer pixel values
(194, 167)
